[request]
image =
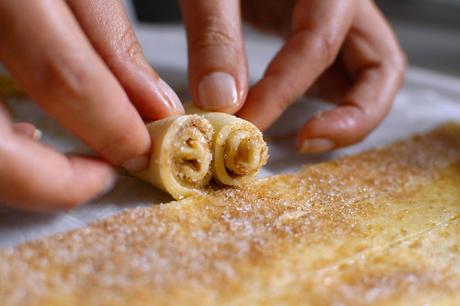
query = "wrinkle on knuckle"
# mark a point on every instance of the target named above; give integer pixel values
(325, 42)
(128, 45)
(133, 50)
(123, 47)
(214, 33)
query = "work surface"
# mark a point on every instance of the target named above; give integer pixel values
(381, 227)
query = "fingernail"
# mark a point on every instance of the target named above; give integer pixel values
(171, 97)
(37, 134)
(136, 164)
(217, 91)
(109, 184)
(317, 145)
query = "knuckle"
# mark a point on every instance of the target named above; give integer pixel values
(68, 76)
(123, 48)
(127, 45)
(403, 60)
(326, 45)
(396, 66)
(133, 49)
(400, 63)
(214, 33)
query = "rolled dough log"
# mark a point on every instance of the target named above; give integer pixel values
(181, 155)
(238, 146)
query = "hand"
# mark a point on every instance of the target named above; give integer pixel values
(342, 51)
(81, 62)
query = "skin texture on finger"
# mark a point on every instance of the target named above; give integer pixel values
(319, 28)
(107, 26)
(375, 63)
(65, 76)
(332, 85)
(217, 58)
(36, 178)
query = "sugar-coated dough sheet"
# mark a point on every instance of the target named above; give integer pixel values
(181, 158)
(376, 228)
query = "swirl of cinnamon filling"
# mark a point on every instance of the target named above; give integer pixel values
(181, 155)
(239, 149)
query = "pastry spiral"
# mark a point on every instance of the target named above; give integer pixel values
(181, 155)
(239, 149)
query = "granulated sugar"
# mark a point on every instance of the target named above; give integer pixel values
(285, 239)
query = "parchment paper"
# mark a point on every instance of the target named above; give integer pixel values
(426, 100)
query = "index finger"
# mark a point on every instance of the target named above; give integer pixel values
(47, 53)
(318, 30)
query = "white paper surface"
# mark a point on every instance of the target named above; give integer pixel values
(426, 100)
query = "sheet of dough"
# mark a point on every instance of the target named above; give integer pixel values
(379, 228)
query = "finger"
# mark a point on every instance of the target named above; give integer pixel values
(107, 26)
(318, 30)
(217, 59)
(376, 65)
(332, 85)
(69, 80)
(28, 130)
(34, 177)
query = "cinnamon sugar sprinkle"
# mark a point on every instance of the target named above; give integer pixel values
(378, 227)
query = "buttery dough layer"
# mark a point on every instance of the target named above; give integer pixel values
(379, 228)
(239, 148)
(181, 158)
